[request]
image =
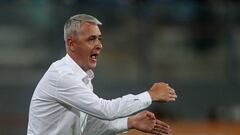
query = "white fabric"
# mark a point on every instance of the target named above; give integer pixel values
(104, 127)
(64, 96)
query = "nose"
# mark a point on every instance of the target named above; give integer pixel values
(99, 45)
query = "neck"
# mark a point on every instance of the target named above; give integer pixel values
(76, 60)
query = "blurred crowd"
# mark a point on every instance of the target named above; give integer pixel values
(191, 44)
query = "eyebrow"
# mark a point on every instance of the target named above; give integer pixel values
(99, 36)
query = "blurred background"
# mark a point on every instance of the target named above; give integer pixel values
(194, 45)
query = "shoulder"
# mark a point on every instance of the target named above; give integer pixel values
(57, 70)
(62, 67)
(66, 73)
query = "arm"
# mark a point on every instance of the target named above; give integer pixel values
(74, 93)
(97, 126)
(144, 121)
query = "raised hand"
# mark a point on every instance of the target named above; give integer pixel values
(145, 121)
(162, 92)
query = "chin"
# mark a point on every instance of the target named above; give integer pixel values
(91, 67)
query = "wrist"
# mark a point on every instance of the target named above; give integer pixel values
(151, 95)
(130, 123)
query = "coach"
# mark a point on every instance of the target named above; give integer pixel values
(64, 97)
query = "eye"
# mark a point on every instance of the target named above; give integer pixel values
(91, 38)
(94, 39)
(100, 38)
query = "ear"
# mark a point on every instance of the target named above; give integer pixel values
(70, 44)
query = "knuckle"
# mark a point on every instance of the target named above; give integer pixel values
(150, 128)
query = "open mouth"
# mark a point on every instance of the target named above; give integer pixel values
(94, 56)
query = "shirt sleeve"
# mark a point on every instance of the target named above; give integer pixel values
(73, 92)
(97, 126)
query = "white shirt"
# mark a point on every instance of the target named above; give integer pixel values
(97, 126)
(64, 97)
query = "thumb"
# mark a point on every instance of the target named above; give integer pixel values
(150, 115)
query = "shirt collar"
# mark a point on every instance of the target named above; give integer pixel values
(87, 76)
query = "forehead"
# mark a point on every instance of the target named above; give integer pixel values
(89, 29)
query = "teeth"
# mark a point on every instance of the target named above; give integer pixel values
(93, 57)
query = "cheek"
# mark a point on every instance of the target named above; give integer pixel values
(83, 51)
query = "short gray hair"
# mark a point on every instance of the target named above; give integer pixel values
(72, 25)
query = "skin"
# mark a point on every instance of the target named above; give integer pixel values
(145, 121)
(86, 43)
(162, 92)
(85, 47)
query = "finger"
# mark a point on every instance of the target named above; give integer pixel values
(150, 115)
(159, 132)
(172, 91)
(158, 122)
(170, 88)
(162, 127)
(162, 131)
(171, 99)
(172, 96)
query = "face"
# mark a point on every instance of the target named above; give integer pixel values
(85, 47)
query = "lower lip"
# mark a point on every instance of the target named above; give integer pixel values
(93, 60)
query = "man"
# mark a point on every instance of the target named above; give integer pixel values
(64, 97)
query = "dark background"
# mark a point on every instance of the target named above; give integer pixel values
(192, 45)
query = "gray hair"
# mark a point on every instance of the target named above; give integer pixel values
(72, 25)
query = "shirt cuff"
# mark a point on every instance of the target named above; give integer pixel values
(122, 125)
(145, 97)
